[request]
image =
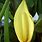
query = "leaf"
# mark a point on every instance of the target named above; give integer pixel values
(10, 15)
(1, 5)
(39, 7)
(3, 8)
(6, 25)
(16, 4)
(30, 3)
(38, 25)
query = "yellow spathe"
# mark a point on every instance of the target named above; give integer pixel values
(23, 23)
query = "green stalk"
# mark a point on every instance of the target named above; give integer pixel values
(3, 9)
(6, 25)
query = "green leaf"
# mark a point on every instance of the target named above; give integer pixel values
(39, 7)
(30, 3)
(10, 15)
(38, 25)
(6, 25)
(16, 3)
(1, 5)
(3, 9)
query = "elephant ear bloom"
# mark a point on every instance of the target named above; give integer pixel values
(23, 23)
